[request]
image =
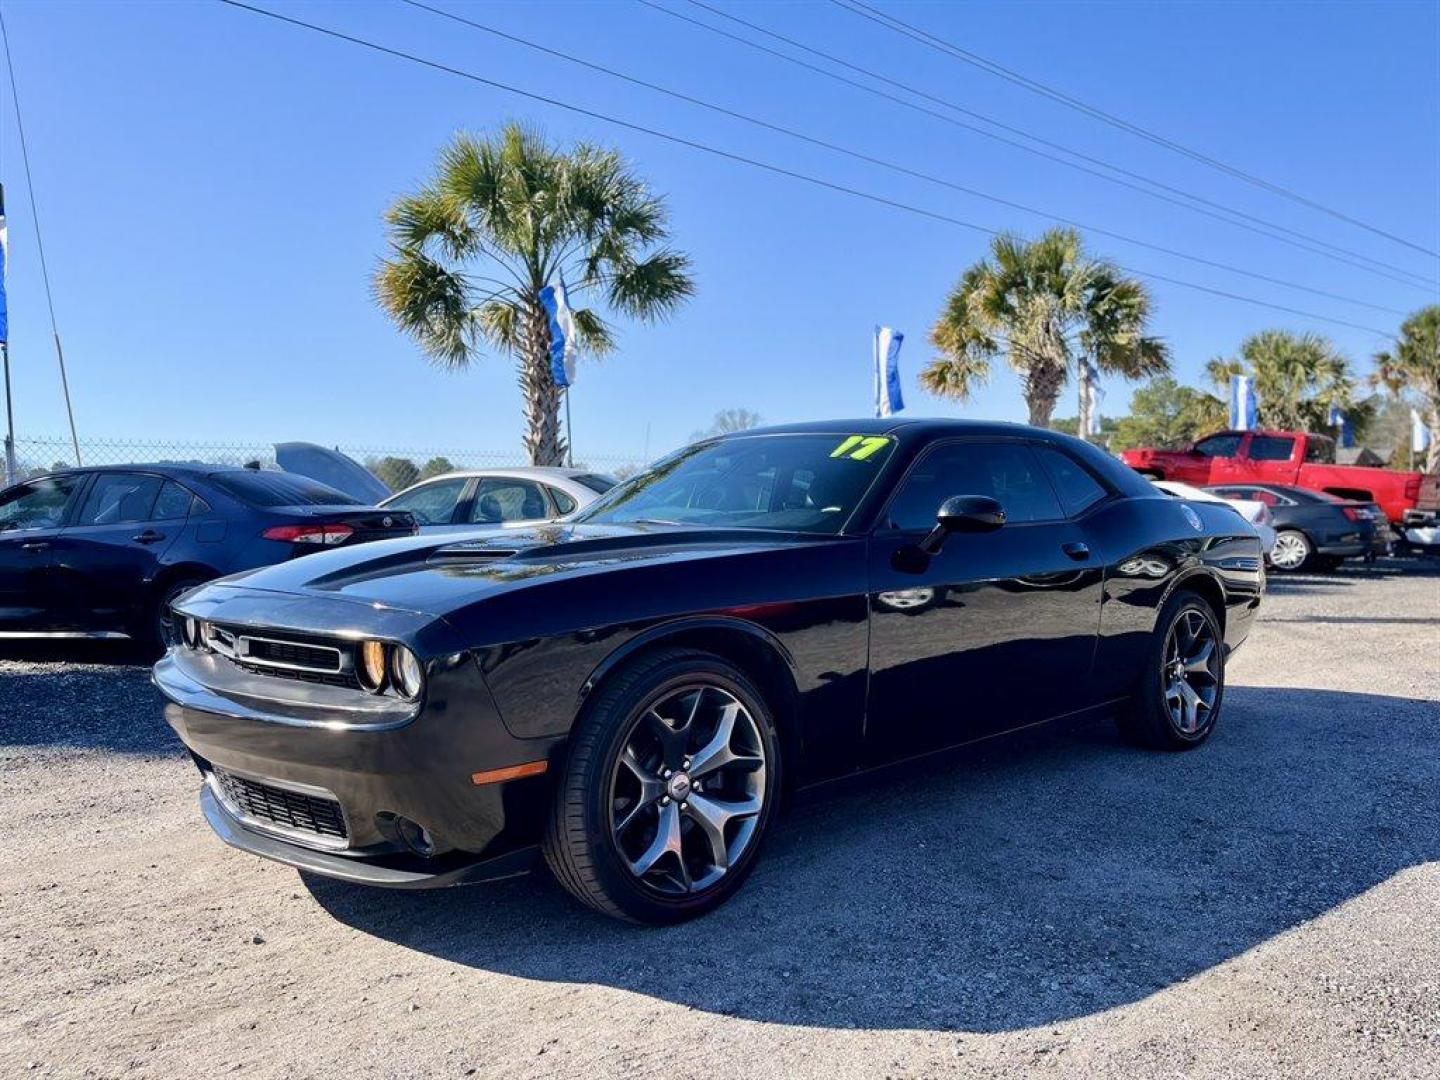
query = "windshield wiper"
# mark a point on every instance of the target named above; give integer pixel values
(655, 521)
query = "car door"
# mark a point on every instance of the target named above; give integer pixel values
(31, 516)
(1219, 459)
(993, 632)
(1270, 458)
(107, 557)
(438, 505)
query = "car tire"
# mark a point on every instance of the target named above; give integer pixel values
(158, 630)
(1177, 702)
(634, 784)
(1292, 551)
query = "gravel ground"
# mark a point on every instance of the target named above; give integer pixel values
(1063, 905)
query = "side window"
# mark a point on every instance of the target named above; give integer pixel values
(118, 498)
(1008, 472)
(432, 504)
(1219, 446)
(172, 504)
(1319, 450)
(1078, 490)
(563, 503)
(499, 499)
(1270, 448)
(38, 505)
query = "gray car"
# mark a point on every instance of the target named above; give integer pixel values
(480, 498)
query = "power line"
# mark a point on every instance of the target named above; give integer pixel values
(728, 155)
(1259, 225)
(890, 22)
(39, 239)
(883, 163)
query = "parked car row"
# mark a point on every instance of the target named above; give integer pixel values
(105, 552)
(1294, 460)
(1299, 529)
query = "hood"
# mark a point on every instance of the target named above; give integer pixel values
(436, 575)
(332, 468)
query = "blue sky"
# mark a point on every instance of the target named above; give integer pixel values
(211, 186)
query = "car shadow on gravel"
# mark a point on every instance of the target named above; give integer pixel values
(1046, 878)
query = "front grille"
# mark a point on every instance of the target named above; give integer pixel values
(292, 653)
(283, 808)
(267, 653)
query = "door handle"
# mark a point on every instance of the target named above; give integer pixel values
(149, 536)
(1076, 550)
(35, 545)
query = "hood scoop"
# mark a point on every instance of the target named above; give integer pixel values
(475, 551)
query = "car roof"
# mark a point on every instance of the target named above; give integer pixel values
(1289, 490)
(554, 472)
(892, 425)
(163, 468)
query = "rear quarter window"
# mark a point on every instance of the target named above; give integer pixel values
(1078, 490)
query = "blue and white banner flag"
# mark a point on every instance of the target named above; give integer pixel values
(888, 398)
(556, 302)
(1341, 422)
(1419, 433)
(1091, 398)
(4, 261)
(1242, 403)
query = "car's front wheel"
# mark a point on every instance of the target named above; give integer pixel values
(159, 628)
(668, 788)
(1178, 700)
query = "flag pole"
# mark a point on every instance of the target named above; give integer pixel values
(11, 471)
(569, 438)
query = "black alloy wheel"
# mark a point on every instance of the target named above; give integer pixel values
(667, 791)
(1177, 702)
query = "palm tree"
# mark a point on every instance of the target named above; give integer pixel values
(1045, 305)
(503, 217)
(1297, 378)
(1414, 365)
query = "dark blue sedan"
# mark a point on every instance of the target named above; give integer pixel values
(102, 552)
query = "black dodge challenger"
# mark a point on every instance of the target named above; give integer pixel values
(630, 692)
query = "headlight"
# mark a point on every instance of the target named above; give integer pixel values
(405, 669)
(190, 631)
(371, 670)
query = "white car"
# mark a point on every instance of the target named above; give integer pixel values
(1253, 511)
(480, 498)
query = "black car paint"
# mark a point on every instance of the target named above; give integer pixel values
(517, 630)
(104, 579)
(1320, 517)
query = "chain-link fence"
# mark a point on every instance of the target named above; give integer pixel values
(397, 468)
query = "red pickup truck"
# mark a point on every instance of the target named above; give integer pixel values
(1295, 458)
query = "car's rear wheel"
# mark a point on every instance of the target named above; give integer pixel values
(668, 789)
(1177, 703)
(1292, 550)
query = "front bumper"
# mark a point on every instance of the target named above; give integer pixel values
(380, 770)
(397, 870)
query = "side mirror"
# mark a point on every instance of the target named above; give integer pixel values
(963, 513)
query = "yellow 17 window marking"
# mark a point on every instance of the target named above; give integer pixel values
(860, 447)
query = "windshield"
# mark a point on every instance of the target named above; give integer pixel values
(279, 489)
(799, 483)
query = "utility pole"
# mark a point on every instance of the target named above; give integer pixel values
(40, 246)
